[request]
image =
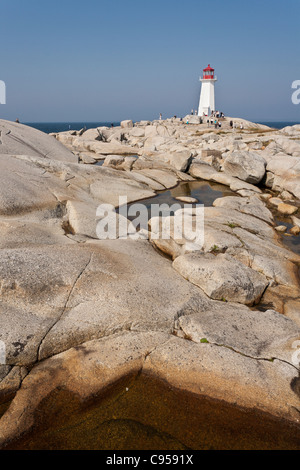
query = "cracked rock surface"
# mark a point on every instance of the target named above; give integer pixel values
(78, 314)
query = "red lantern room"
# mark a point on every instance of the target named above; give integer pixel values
(208, 73)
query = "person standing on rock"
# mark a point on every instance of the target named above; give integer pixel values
(160, 117)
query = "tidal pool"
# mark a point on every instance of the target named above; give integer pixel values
(205, 193)
(143, 413)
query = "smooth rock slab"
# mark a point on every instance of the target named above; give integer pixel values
(126, 285)
(247, 205)
(163, 177)
(221, 277)
(108, 190)
(18, 139)
(221, 373)
(25, 187)
(261, 335)
(84, 372)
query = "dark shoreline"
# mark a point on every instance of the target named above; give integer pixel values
(52, 127)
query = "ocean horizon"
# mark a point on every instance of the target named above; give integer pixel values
(52, 127)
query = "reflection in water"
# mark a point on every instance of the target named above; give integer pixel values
(206, 193)
(292, 242)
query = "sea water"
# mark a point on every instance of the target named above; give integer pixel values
(49, 127)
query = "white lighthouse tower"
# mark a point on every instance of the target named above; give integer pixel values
(207, 95)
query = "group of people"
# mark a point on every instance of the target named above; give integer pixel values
(217, 114)
(214, 122)
(234, 125)
(213, 119)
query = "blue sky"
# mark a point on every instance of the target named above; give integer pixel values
(108, 60)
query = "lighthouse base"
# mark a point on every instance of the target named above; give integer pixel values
(207, 97)
(204, 112)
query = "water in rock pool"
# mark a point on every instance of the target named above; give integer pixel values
(205, 193)
(144, 413)
(292, 242)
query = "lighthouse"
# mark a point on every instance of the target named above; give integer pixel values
(207, 95)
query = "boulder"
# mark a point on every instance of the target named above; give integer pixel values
(154, 143)
(247, 166)
(137, 132)
(187, 199)
(191, 119)
(113, 161)
(207, 172)
(179, 160)
(221, 277)
(296, 221)
(87, 159)
(281, 228)
(127, 124)
(91, 134)
(202, 170)
(104, 148)
(286, 209)
(275, 201)
(295, 230)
